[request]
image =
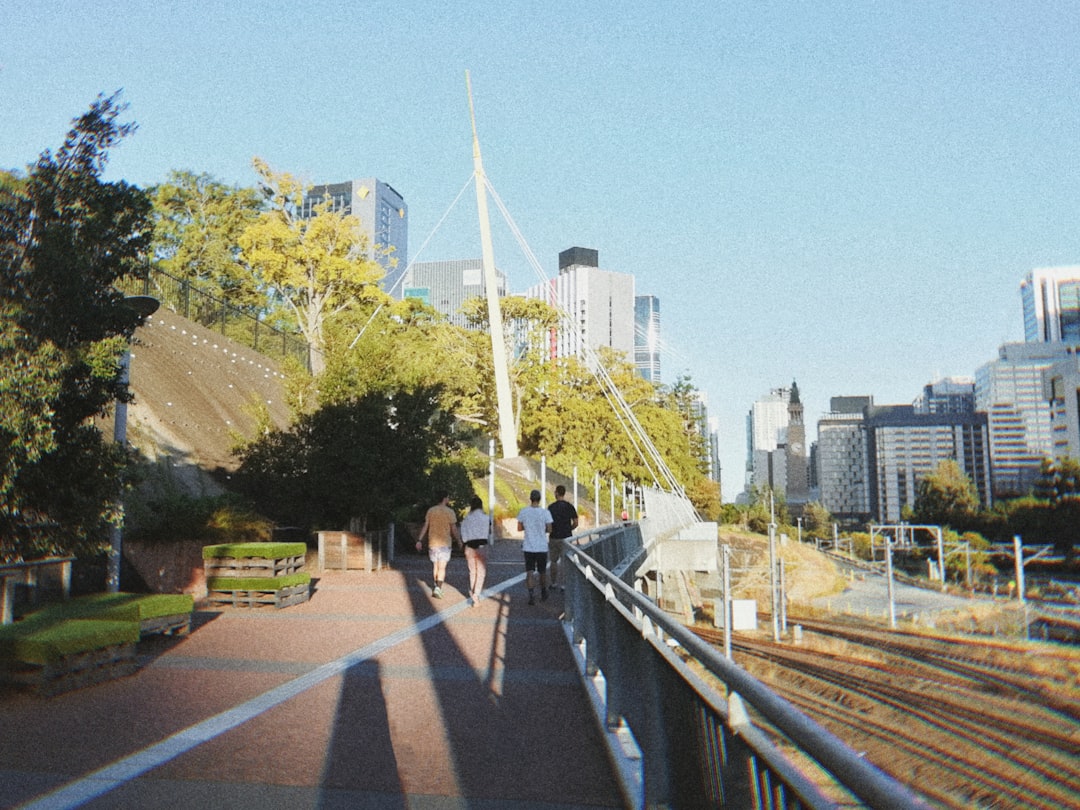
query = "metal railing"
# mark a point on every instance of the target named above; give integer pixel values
(698, 747)
(185, 299)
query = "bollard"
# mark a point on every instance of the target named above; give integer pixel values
(796, 633)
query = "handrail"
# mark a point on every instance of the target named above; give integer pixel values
(851, 771)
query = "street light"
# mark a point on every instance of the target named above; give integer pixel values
(144, 306)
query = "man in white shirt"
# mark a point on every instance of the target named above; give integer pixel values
(535, 521)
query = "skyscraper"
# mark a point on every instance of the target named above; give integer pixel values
(904, 445)
(384, 217)
(843, 461)
(766, 433)
(1051, 300)
(597, 305)
(1010, 391)
(647, 337)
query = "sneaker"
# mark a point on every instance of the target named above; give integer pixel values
(543, 594)
(437, 592)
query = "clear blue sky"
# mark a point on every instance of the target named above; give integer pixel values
(845, 194)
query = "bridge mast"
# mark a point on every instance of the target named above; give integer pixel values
(507, 429)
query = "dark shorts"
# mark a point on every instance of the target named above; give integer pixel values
(476, 543)
(555, 549)
(536, 561)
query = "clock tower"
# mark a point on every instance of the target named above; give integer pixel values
(798, 485)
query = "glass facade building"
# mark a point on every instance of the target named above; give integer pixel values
(383, 216)
(1051, 301)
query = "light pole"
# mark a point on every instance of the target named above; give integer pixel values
(144, 306)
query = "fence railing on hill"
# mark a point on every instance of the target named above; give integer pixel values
(236, 323)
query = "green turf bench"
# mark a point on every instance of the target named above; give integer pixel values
(88, 639)
(57, 655)
(160, 613)
(255, 575)
(253, 592)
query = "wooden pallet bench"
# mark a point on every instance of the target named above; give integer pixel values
(51, 657)
(253, 575)
(243, 560)
(87, 640)
(256, 592)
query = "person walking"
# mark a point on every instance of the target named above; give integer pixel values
(564, 519)
(475, 533)
(440, 528)
(535, 521)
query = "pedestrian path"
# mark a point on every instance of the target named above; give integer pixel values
(372, 694)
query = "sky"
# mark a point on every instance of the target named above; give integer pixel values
(842, 194)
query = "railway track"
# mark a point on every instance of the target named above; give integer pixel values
(967, 727)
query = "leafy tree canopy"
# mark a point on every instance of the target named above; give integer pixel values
(66, 237)
(945, 496)
(197, 226)
(317, 265)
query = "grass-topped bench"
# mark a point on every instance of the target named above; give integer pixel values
(87, 640)
(164, 613)
(256, 574)
(60, 655)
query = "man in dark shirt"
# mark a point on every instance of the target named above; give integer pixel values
(564, 520)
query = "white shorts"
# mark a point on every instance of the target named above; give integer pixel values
(439, 553)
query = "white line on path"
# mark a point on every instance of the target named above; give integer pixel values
(112, 776)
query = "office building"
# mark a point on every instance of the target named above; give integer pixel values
(947, 395)
(384, 218)
(446, 285)
(597, 306)
(903, 445)
(766, 434)
(1061, 386)
(647, 337)
(843, 462)
(1051, 301)
(1019, 417)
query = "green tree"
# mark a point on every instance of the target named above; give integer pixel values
(197, 226)
(367, 457)
(818, 521)
(945, 496)
(317, 265)
(66, 237)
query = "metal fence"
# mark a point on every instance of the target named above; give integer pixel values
(184, 298)
(697, 746)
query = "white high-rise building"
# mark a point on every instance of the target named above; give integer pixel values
(598, 306)
(1010, 391)
(1051, 299)
(766, 432)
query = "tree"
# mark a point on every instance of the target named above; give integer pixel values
(317, 265)
(65, 238)
(945, 496)
(367, 457)
(818, 520)
(197, 226)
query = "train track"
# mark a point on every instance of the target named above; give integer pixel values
(961, 723)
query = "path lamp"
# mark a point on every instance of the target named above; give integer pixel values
(144, 306)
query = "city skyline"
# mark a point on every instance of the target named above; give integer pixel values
(844, 194)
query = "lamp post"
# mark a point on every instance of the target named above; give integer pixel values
(144, 306)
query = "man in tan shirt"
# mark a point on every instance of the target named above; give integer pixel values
(440, 528)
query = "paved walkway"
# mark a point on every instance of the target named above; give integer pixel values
(372, 694)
